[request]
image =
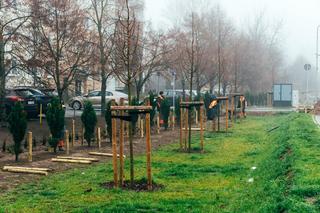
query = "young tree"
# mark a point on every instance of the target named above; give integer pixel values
(89, 121)
(17, 126)
(126, 56)
(100, 14)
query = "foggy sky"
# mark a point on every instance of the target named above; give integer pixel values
(299, 20)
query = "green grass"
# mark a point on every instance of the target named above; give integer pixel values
(287, 178)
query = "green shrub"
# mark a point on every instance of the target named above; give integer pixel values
(165, 112)
(89, 121)
(55, 119)
(17, 125)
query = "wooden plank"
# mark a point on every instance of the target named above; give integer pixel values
(181, 126)
(222, 98)
(99, 137)
(148, 150)
(66, 139)
(114, 152)
(121, 150)
(73, 133)
(71, 161)
(78, 158)
(38, 172)
(27, 168)
(30, 146)
(201, 127)
(104, 154)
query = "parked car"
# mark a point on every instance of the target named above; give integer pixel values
(41, 97)
(95, 98)
(27, 99)
(177, 93)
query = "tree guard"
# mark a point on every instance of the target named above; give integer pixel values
(185, 107)
(218, 102)
(233, 112)
(129, 113)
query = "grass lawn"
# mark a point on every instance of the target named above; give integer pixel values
(286, 178)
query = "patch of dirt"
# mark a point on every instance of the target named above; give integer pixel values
(138, 186)
(42, 158)
(311, 200)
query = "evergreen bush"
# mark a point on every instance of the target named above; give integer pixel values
(55, 119)
(17, 125)
(89, 121)
(165, 112)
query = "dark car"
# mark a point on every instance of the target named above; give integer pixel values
(41, 98)
(27, 99)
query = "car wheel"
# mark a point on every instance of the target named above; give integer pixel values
(76, 105)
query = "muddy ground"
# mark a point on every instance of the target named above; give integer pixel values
(42, 157)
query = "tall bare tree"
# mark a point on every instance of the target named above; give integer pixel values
(63, 47)
(100, 13)
(12, 18)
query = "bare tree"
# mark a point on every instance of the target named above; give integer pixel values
(12, 18)
(63, 46)
(154, 48)
(101, 15)
(127, 53)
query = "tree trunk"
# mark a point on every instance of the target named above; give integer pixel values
(103, 93)
(131, 140)
(2, 79)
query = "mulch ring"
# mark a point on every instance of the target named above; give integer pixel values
(138, 186)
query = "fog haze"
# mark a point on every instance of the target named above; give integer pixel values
(299, 20)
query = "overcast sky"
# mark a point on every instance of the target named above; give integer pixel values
(299, 18)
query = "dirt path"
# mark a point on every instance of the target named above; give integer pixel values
(42, 158)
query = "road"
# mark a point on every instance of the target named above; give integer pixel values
(270, 109)
(77, 113)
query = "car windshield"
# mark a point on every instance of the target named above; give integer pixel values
(36, 92)
(24, 93)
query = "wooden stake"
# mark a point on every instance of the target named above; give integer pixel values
(99, 137)
(40, 114)
(141, 128)
(148, 148)
(114, 152)
(227, 114)
(173, 122)
(181, 126)
(232, 107)
(66, 139)
(186, 128)
(30, 146)
(197, 117)
(158, 124)
(82, 136)
(121, 151)
(73, 133)
(201, 127)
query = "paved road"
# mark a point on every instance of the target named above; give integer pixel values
(269, 109)
(77, 113)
